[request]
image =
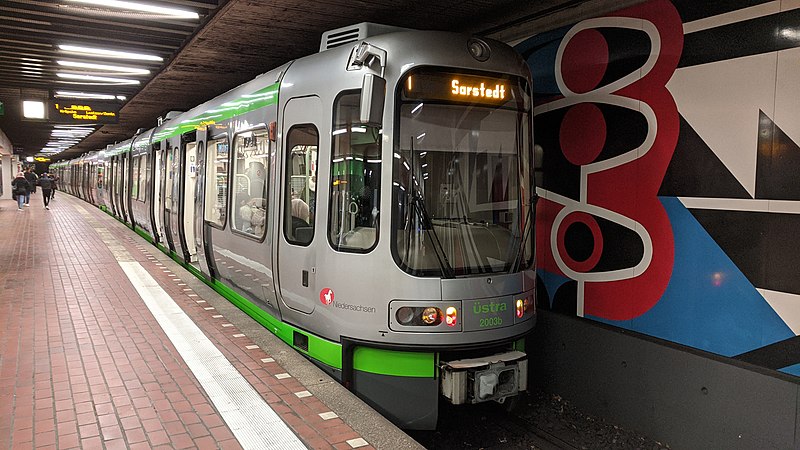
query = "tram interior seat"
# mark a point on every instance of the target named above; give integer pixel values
(253, 215)
(301, 230)
(359, 237)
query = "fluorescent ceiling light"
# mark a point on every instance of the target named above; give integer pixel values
(74, 127)
(133, 6)
(72, 94)
(106, 67)
(81, 77)
(108, 53)
(33, 109)
(88, 95)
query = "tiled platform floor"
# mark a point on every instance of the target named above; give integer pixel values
(84, 364)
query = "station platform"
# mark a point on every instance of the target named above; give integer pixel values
(105, 342)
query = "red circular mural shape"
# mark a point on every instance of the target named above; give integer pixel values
(582, 134)
(597, 236)
(584, 61)
(326, 296)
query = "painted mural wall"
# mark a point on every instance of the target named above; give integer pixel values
(670, 188)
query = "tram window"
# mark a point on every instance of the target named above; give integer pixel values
(135, 177)
(171, 169)
(356, 179)
(301, 184)
(250, 188)
(217, 182)
(143, 170)
(139, 177)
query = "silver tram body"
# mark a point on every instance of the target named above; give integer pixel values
(384, 232)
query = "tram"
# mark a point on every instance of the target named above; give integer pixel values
(371, 204)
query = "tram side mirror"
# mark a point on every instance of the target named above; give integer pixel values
(373, 95)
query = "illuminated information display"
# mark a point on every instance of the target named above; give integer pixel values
(84, 112)
(429, 84)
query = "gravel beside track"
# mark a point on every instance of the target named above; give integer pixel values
(537, 421)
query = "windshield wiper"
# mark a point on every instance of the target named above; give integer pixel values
(530, 220)
(419, 206)
(461, 220)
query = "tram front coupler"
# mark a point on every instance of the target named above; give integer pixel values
(477, 380)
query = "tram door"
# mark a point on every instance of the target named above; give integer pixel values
(171, 167)
(296, 263)
(157, 200)
(119, 184)
(201, 234)
(91, 173)
(111, 182)
(190, 199)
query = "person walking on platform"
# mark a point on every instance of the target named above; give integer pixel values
(30, 175)
(19, 188)
(47, 186)
(55, 186)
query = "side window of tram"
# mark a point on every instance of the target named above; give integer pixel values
(355, 179)
(135, 167)
(139, 176)
(300, 198)
(143, 169)
(216, 201)
(170, 169)
(249, 209)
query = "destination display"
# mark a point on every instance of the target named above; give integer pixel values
(84, 112)
(435, 85)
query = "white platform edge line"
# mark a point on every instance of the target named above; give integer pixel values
(252, 421)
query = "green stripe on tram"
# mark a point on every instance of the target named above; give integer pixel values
(244, 104)
(324, 351)
(143, 234)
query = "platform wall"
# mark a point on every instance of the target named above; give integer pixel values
(686, 399)
(667, 244)
(670, 199)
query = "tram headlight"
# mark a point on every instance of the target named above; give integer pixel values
(451, 316)
(530, 305)
(405, 315)
(425, 316)
(525, 306)
(431, 316)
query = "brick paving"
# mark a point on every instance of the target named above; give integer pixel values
(83, 363)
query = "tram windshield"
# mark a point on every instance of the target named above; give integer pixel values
(462, 175)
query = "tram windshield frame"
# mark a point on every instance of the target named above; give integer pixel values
(462, 173)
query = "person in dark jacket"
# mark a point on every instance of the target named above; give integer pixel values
(30, 175)
(47, 185)
(20, 189)
(55, 185)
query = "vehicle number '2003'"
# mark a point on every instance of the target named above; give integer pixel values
(490, 322)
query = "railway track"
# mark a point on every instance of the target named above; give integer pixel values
(539, 421)
(487, 426)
